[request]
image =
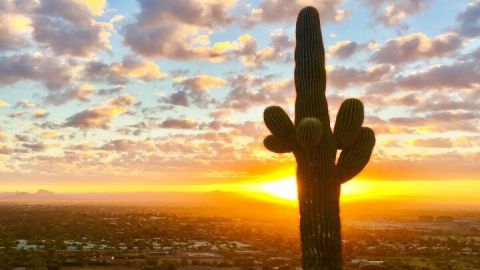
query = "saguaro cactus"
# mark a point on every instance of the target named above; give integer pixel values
(315, 146)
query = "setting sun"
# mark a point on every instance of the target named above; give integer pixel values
(284, 188)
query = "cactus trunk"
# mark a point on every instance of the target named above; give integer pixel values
(315, 146)
(318, 196)
(319, 216)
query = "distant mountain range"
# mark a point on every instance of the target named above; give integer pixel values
(41, 195)
(166, 198)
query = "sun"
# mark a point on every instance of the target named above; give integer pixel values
(286, 189)
(283, 189)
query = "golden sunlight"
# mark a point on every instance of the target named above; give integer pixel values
(284, 188)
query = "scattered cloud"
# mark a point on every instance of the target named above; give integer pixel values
(274, 11)
(179, 124)
(336, 76)
(13, 31)
(455, 75)
(416, 46)
(40, 113)
(120, 73)
(81, 93)
(193, 90)
(25, 104)
(135, 68)
(52, 72)
(3, 104)
(178, 30)
(343, 49)
(393, 14)
(468, 21)
(101, 116)
(249, 91)
(200, 73)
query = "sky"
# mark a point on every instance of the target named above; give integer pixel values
(144, 95)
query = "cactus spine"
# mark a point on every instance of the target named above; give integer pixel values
(314, 146)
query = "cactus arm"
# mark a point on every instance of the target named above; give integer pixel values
(278, 122)
(309, 132)
(348, 123)
(310, 74)
(353, 159)
(277, 145)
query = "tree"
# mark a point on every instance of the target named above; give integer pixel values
(314, 146)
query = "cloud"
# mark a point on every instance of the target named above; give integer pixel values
(201, 83)
(16, 114)
(460, 100)
(120, 145)
(179, 98)
(96, 7)
(132, 67)
(51, 72)
(22, 138)
(6, 150)
(69, 27)
(279, 49)
(40, 113)
(64, 37)
(25, 104)
(468, 21)
(249, 91)
(447, 142)
(76, 11)
(274, 11)
(121, 101)
(185, 43)
(392, 14)
(35, 147)
(455, 75)
(3, 136)
(179, 29)
(3, 104)
(110, 91)
(120, 72)
(202, 13)
(193, 90)
(433, 142)
(13, 31)
(434, 122)
(94, 118)
(336, 76)
(343, 49)
(81, 93)
(179, 124)
(417, 46)
(101, 116)
(49, 135)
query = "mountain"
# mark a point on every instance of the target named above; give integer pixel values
(188, 199)
(36, 197)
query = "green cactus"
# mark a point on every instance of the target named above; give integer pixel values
(315, 146)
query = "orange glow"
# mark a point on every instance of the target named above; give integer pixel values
(284, 190)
